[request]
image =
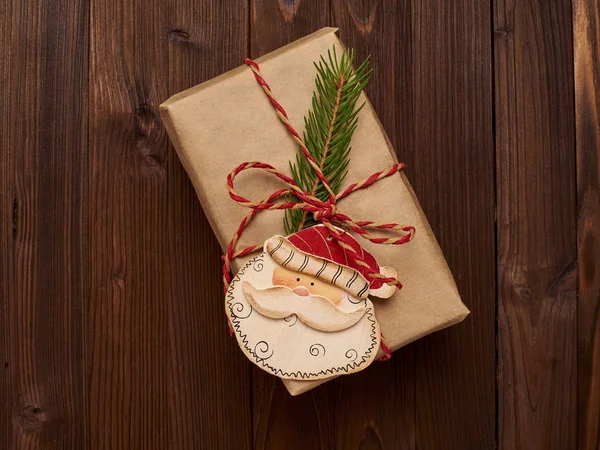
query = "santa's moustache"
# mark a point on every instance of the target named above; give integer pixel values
(317, 312)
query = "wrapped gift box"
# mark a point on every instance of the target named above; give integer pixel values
(228, 120)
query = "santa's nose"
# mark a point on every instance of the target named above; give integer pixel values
(301, 290)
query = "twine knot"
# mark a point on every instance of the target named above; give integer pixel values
(328, 211)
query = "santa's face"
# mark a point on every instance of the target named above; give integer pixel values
(297, 326)
(304, 285)
(316, 311)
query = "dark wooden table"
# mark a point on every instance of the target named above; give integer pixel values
(112, 332)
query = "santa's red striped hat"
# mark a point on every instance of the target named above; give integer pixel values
(315, 252)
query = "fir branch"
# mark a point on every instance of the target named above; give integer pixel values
(328, 129)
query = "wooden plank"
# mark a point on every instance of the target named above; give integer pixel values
(281, 421)
(382, 416)
(6, 226)
(130, 283)
(44, 49)
(537, 245)
(586, 35)
(210, 379)
(452, 171)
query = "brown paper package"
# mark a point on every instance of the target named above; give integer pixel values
(228, 120)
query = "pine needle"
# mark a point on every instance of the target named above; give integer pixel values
(328, 129)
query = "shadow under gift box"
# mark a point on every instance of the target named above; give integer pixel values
(221, 123)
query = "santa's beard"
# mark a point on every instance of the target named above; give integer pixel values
(317, 312)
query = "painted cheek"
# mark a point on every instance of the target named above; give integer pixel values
(331, 292)
(282, 282)
(336, 297)
(284, 278)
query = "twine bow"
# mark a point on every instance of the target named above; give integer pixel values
(325, 212)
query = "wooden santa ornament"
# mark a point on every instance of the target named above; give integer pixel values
(300, 309)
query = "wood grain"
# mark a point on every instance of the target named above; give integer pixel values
(537, 248)
(210, 379)
(382, 416)
(130, 285)
(452, 170)
(6, 226)
(44, 122)
(586, 35)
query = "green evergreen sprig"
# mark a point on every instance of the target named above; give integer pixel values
(328, 129)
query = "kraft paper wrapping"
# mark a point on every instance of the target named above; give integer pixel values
(223, 122)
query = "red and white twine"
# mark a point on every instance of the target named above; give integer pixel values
(322, 211)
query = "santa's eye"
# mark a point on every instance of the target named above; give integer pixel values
(312, 283)
(297, 279)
